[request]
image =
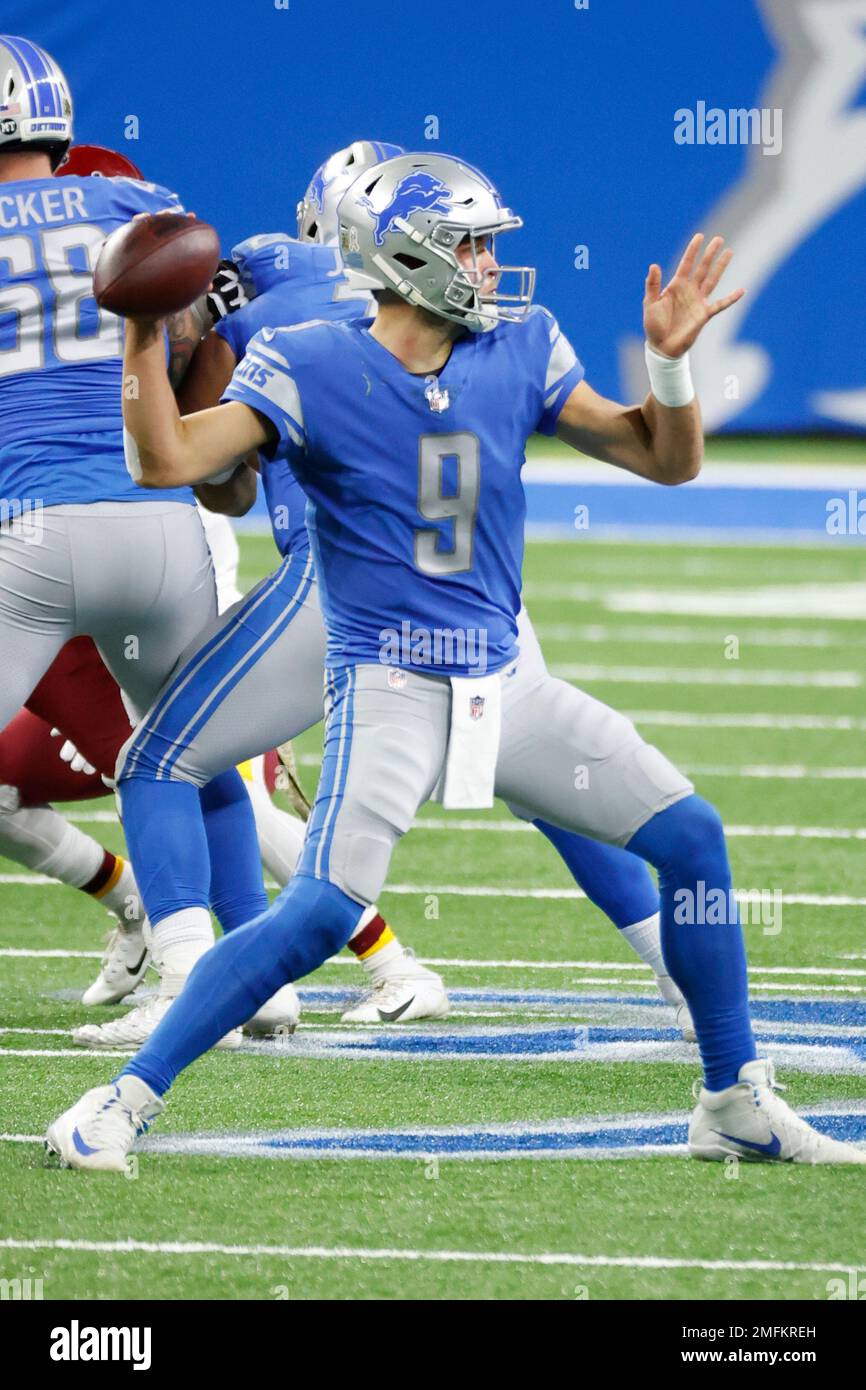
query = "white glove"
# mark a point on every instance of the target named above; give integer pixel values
(70, 754)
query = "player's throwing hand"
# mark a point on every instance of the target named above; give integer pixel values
(674, 316)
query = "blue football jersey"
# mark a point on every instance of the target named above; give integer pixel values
(61, 356)
(289, 282)
(416, 505)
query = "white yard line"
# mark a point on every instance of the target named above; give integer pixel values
(415, 1256)
(514, 826)
(63, 1052)
(685, 719)
(716, 472)
(711, 675)
(787, 772)
(686, 636)
(804, 723)
(849, 972)
(758, 832)
(49, 953)
(476, 890)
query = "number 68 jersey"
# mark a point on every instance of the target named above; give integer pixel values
(415, 505)
(61, 356)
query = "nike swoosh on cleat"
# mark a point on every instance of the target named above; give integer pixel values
(134, 969)
(387, 1017)
(772, 1150)
(80, 1145)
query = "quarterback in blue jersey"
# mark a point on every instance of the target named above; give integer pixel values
(407, 434)
(83, 551)
(276, 691)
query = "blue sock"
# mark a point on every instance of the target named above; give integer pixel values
(175, 832)
(237, 889)
(167, 844)
(616, 881)
(310, 921)
(705, 958)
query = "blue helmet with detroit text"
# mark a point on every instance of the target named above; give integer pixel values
(35, 101)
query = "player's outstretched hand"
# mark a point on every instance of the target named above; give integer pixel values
(674, 316)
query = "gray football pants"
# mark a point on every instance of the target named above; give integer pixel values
(249, 681)
(564, 757)
(137, 577)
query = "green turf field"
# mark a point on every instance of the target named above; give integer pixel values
(771, 726)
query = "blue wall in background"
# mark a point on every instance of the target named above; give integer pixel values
(570, 111)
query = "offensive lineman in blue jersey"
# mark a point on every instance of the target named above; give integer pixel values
(289, 281)
(252, 680)
(82, 549)
(407, 434)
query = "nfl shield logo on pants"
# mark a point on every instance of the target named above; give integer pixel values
(476, 706)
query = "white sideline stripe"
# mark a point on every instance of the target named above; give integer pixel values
(758, 832)
(786, 772)
(712, 675)
(687, 719)
(569, 894)
(847, 971)
(457, 890)
(53, 953)
(717, 472)
(683, 636)
(838, 602)
(808, 723)
(349, 1252)
(505, 827)
(834, 600)
(63, 1052)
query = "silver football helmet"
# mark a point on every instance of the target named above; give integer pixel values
(35, 101)
(317, 210)
(401, 224)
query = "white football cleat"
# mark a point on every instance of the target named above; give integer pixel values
(671, 995)
(750, 1121)
(124, 965)
(100, 1129)
(279, 1015)
(410, 993)
(133, 1029)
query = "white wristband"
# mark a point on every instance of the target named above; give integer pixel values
(670, 377)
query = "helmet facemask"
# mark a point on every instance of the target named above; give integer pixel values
(415, 253)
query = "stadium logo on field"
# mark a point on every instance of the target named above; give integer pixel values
(814, 1046)
(593, 1137)
(418, 192)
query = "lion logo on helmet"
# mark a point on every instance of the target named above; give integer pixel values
(416, 192)
(316, 190)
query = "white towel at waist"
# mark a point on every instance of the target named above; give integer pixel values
(469, 773)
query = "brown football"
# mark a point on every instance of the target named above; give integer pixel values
(156, 265)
